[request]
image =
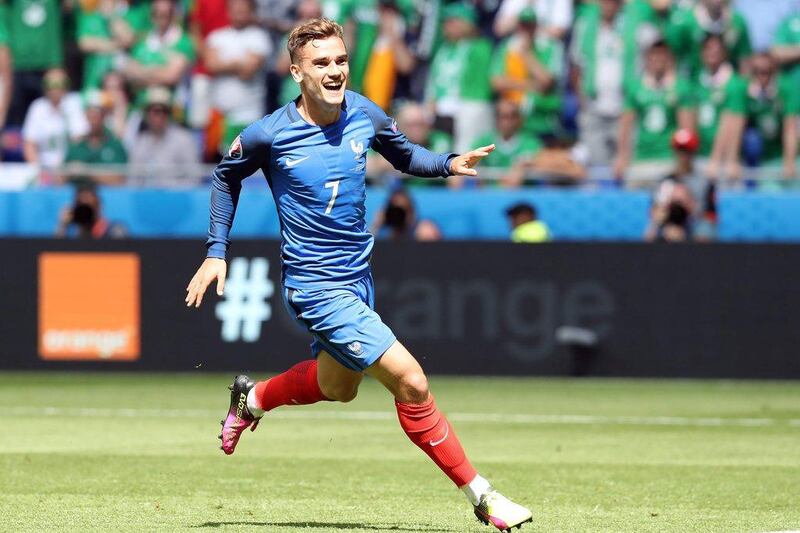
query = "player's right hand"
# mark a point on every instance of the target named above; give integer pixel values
(211, 269)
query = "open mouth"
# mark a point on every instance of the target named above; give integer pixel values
(333, 86)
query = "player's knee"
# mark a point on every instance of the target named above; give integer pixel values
(414, 388)
(340, 393)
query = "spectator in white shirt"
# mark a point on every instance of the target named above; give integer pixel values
(52, 121)
(554, 16)
(235, 57)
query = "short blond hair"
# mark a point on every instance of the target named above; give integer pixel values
(321, 28)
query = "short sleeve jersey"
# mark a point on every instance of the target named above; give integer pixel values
(460, 70)
(109, 152)
(766, 112)
(690, 33)
(656, 111)
(155, 51)
(506, 153)
(317, 178)
(788, 34)
(36, 34)
(713, 100)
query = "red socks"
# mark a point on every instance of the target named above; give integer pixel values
(433, 434)
(296, 386)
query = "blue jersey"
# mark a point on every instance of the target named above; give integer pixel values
(317, 178)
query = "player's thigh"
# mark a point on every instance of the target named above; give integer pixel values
(335, 381)
(401, 374)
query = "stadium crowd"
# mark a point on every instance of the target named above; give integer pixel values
(143, 92)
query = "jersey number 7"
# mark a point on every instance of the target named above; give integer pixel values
(335, 186)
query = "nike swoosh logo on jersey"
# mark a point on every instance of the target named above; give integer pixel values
(446, 433)
(292, 162)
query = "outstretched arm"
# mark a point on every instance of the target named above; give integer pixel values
(404, 155)
(464, 165)
(245, 156)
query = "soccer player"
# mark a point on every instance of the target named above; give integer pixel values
(313, 153)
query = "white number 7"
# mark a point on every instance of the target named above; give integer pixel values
(335, 186)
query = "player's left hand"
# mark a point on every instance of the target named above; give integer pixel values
(463, 164)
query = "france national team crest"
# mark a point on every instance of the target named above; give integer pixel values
(358, 150)
(355, 348)
(235, 151)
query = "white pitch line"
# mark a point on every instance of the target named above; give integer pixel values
(498, 418)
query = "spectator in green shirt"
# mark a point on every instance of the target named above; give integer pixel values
(514, 147)
(721, 108)
(163, 56)
(97, 158)
(35, 36)
(598, 70)
(773, 108)
(786, 49)
(458, 82)
(645, 22)
(526, 69)
(655, 106)
(103, 34)
(709, 16)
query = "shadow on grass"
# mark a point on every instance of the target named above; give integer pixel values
(338, 525)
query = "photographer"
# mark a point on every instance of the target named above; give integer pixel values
(84, 219)
(398, 221)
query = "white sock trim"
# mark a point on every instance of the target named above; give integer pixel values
(252, 405)
(475, 489)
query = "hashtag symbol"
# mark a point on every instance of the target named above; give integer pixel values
(244, 307)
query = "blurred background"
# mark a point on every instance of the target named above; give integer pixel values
(617, 123)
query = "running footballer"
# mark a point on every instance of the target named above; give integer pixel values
(313, 152)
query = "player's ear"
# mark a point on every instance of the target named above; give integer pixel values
(297, 74)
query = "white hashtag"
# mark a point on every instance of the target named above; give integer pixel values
(244, 307)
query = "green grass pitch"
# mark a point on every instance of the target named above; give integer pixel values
(103, 452)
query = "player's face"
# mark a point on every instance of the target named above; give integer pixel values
(322, 70)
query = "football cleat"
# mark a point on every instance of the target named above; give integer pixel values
(239, 416)
(502, 513)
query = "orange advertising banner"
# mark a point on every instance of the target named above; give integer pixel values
(89, 306)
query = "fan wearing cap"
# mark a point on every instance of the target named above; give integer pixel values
(97, 157)
(458, 82)
(655, 106)
(526, 69)
(52, 121)
(163, 153)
